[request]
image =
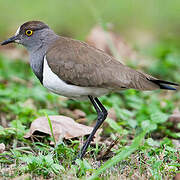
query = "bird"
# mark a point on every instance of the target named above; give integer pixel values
(74, 69)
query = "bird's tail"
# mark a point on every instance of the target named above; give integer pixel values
(164, 84)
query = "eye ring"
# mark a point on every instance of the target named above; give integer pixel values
(29, 32)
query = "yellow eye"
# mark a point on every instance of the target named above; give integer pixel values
(29, 32)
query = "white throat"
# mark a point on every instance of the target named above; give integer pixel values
(17, 33)
(18, 30)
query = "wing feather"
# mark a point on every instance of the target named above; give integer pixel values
(78, 63)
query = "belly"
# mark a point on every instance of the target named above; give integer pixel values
(53, 83)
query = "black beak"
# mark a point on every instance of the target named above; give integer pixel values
(10, 40)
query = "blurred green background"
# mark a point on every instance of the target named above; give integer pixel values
(76, 17)
(152, 29)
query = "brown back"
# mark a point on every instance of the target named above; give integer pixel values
(78, 63)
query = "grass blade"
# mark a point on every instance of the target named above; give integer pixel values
(50, 126)
(127, 151)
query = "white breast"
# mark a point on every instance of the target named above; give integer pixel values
(52, 82)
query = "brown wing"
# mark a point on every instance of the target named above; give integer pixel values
(78, 63)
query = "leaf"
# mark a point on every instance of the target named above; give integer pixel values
(148, 125)
(114, 125)
(152, 142)
(125, 114)
(132, 123)
(159, 117)
(2, 147)
(57, 167)
(62, 126)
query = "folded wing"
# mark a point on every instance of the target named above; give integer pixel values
(78, 63)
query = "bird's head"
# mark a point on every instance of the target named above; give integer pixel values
(30, 34)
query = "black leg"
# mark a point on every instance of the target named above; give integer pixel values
(102, 114)
(103, 109)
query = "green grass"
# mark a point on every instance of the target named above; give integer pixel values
(138, 154)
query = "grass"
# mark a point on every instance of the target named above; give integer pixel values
(125, 152)
(51, 128)
(138, 153)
